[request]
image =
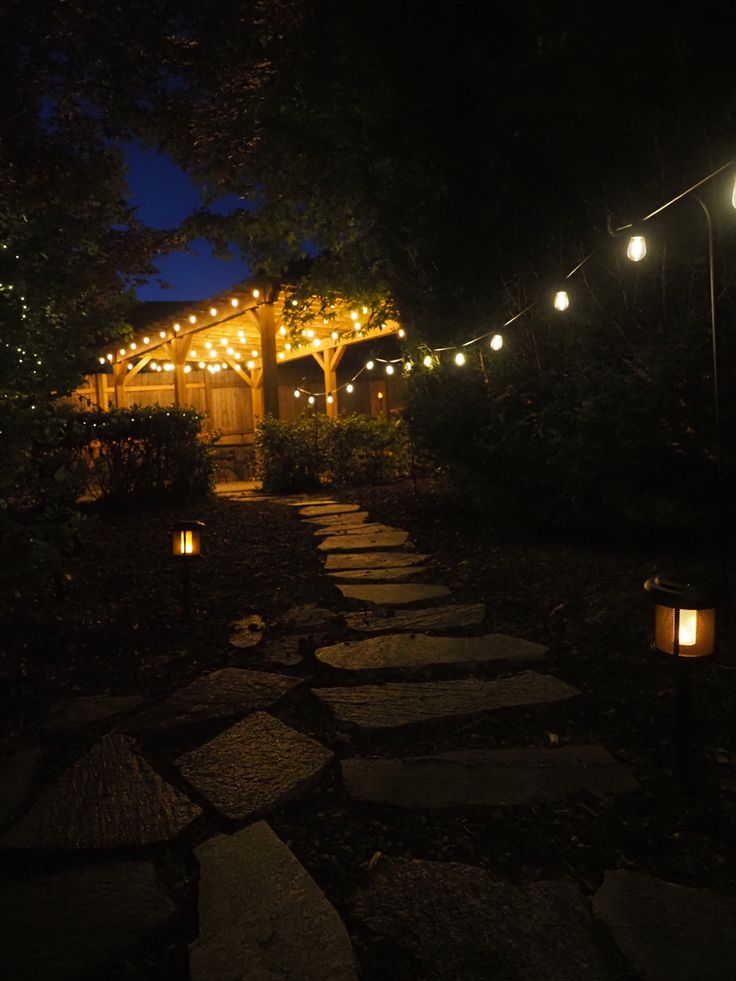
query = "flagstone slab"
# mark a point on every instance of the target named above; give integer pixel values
(320, 510)
(308, 618)
(17, 777)
(378, 575)
(454, 922)
(327, 520)
(486, 778)
(253, 767)
(247, 631)
(354, 529)
(309, 501)
(410, 651)
(109, 798)
(393, 706)
(262, 916)
(229, 693)
(373, 560)
(453, 616)
(77, 922)
(394, 594)
(356, 543)
(75, 713)
(669, 932)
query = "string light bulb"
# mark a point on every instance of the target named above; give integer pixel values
(256, 294)
(192, 320)
(297, 393)
(562, 300)
(637, 248)
(330, 399)
(146, 340)
(311, 400)
(349, 387)
(402, 332)
(213, 311)
(496, 342)
(389, 369)
(369, 365)
(234, 302)
(427, 361)
(460, 359)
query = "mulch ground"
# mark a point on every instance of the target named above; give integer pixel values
(120, 631)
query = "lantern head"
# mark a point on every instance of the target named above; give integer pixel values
(684, 615)
(186, 539)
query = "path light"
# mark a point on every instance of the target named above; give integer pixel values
(684, 629)
(186, 546)
(637, 248)
(562, 300)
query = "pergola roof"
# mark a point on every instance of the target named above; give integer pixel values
(227, 329)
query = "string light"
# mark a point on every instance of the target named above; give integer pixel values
(146, 340)
(330, 399)
(256, 294)
(297, 393)
(311, 400)
(213, 311)
(496, 342)
(562, 300)
(370, 365)
(234, 302)
(427, 361)
(192, 320)
(389, 369)
(637, 248)
(349, 387)
(459, 359)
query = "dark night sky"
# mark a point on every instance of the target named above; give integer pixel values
(163, 196)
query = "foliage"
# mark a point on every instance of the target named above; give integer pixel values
(146, 454)
(352, 449)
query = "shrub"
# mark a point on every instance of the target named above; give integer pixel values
(354, 449)
(146, 454)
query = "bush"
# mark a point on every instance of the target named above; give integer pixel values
(146, 454)
(354, 449)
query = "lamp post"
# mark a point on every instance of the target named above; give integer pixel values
(684, 629)
(186, 547)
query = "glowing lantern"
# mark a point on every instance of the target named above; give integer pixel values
(684, 616)
(186, 539)
(637, 248)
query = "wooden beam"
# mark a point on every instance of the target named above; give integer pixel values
(119, 372)
(269, 385)
(180, 347)
(101, 391)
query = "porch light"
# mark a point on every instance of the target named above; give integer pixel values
(562, 300)
(186, 539)
(496, 342)
(637, 248)
(684, 616)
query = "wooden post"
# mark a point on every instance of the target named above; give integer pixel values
(119, 373)
(258, 394)
(181, 347)
(328, 360)
(269, 382)
(101, 391)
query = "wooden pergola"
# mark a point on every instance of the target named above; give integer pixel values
(243, 331)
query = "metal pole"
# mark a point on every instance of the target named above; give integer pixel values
(680, 722)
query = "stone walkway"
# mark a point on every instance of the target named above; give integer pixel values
(201, 771)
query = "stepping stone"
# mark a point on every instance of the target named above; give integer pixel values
(229, 693)
(452, 921)
(255, 766)
(374, 560)
(109, 798)
(393, 706)
(308, 618)
(487, 778)
(397, 651)
(336, 520)
(354, 543)
(354, 529)
(262, 917)
(378, 575)
(389, 594)
(320, 510)
(304, 501)
(75, 713)
(78, 922)
(454, 616)
(17, 776)
(669, 932)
